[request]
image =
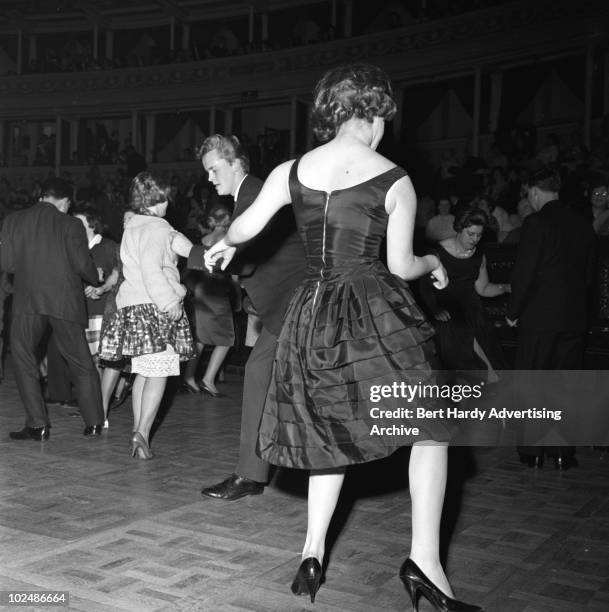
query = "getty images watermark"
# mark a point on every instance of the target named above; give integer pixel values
(440, 394)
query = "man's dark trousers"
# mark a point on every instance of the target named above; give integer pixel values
(258, 371)
(27, 331)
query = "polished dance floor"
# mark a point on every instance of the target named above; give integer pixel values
(80, 515)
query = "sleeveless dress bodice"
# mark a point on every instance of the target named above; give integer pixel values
(341, 231)
(349, 325)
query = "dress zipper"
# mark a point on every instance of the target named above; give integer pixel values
(323, 249)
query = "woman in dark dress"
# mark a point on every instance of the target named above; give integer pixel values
(352, 324)
(465, 339)
(213, 311)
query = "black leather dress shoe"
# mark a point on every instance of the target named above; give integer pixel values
(40, 434)
(234, 487)
(532, 461)
(564, 462)
(93, 430)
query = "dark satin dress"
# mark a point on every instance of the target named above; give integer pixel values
(213, 312)
(351, 324)
(455, 337)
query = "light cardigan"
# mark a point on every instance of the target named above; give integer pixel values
(149, 265)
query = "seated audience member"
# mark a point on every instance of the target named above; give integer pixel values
(524, 210)
(491, 230)
(599, 205)
(440, 226)
(548, 154)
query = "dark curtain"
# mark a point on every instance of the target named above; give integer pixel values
(520, 86)
(464, 90)
(572, 72)
(419, 103)
(167, 126)
(201, 119)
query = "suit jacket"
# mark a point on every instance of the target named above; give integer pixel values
(271, 265)
(48, 253)
(553, 271)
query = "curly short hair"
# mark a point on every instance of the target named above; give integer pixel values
(469, 216)
(147, 190)
(228, 147)
(351, 90)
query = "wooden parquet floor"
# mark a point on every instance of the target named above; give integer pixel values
(80, 515)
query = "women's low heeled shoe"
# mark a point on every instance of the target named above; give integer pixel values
(308, 578)
(188, 388)
(209, 390)
(417, 583)
(139, 447)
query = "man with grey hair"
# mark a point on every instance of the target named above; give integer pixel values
(269, 270)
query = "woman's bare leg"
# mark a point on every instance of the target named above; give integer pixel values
(427, 477)
(324, 490)
(152, 394)
(217, 357)
(190, 369)
(109, 378)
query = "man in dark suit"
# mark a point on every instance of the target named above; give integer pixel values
(47, 252)
(551, 279)
(270, 268)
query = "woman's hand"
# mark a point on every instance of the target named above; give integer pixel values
(174, 312)
(442, 315)
(440, 277)
(92, 292)
(219, 252)
(507, 288)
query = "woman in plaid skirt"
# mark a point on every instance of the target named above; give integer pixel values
(150, 325)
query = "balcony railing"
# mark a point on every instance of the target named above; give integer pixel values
(518, 31)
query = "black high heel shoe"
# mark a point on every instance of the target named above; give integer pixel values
(307, 578)
(417, 583)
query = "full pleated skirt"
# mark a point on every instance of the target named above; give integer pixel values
(143, 330)
(339, 340)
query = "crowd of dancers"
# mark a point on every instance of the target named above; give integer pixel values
(305, 245)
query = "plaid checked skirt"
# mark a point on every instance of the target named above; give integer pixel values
(143, 330)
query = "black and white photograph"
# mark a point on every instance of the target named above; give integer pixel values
(304, 305)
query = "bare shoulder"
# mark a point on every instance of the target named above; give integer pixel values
(284, 167)
(401, 193)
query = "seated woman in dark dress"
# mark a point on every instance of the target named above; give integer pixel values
(465, 339)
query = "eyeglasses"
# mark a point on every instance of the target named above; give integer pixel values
(599, 194)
